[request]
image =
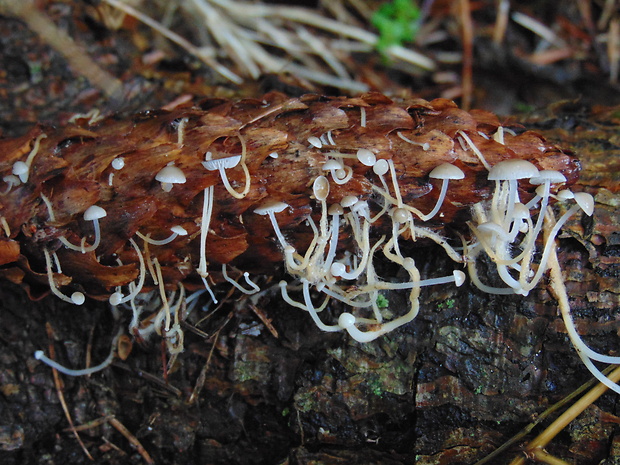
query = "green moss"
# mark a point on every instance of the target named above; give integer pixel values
(382, 301)
(397, 23)
(448, 303)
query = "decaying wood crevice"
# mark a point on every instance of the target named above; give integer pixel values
(73, 169)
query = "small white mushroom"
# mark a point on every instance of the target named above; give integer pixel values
(445, 172)
(565, 194)
(93, 213)
(320, 188)
(544, 179)
(366, 157)
(11, 180)
(270, 208)
(584, 202)
(340, 172)
(221, 165)
(315, 142)
(118, 163)
(348, 201)
(176, 231)
(331, 165)
(169, 176)
(381, 167)
(20, 169)
(40, 355)
(77, 298)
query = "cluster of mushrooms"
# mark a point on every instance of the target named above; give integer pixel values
(348, 235)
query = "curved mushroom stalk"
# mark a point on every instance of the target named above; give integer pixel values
(21, 169)
(544, 179)
(117, 298)
(585, 353)
(77, 298)
(584, 202)
(340, 172)
(176, 232)
(92, 213)
(223, 164)
(445, 172)
(40, 355)
(253, 287)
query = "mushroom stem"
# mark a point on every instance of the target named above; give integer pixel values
(549, 245)
(585, 353)
(77, 298)
(442, 196)
(254, 288)
(138, 288)
(313, 311)
(207, 211)
(40, 355)
(92, 213)
(176, 232)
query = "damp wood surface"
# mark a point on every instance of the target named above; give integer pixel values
(470, 371)
(72, 169)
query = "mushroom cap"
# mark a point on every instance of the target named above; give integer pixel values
(585, 201)
(508, 170)
(78, 298)
(315, 141)
(338, 269)
(361, 208)
(459, 278)
(335, 209)
(348, 200)
(400, 215)
(553, 176)
(223, 163)
(520, 211)
(118, 163)
(381, 167)
(19, 168)
(366, 157)
(320, 188)
(180, 230)
(346, 320)
(565, 194)
(446, 171)
(271, 206)
(331, 165)
(94, 212)
(171, 175)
